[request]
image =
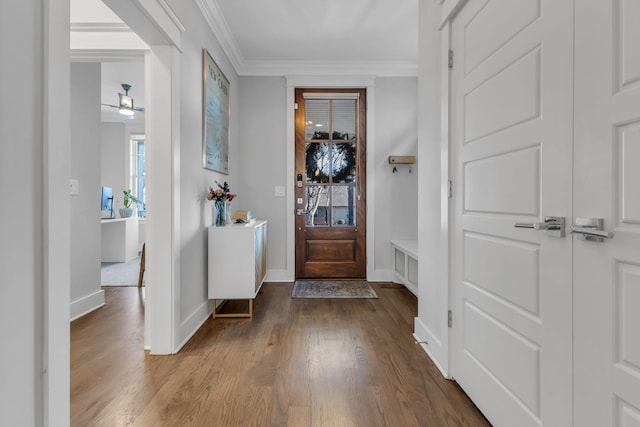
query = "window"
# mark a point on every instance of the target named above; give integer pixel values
(137, 171)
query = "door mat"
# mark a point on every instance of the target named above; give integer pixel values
(332, 289)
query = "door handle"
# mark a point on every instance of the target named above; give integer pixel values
(591, 229)
(552, 225)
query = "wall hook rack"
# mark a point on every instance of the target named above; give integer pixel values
(401, 160)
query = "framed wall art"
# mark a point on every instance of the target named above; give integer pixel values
(215, 121)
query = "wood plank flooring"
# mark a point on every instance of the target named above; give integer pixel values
(298, 362)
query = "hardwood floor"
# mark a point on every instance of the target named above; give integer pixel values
(298, 362)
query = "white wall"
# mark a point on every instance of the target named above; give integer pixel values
(396, 130)
(86, 294)
(264, 154)
(34, 257)
(21, 257)
(114, 160)
(195, 210)
(431, 323)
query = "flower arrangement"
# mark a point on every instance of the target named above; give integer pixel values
(220, 194)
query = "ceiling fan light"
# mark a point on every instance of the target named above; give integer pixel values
(126, 111)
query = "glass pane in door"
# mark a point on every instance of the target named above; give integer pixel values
(343, 205)
(317, 162)
(343, 118)
(343, 162)
(317, 202)
(317, 119)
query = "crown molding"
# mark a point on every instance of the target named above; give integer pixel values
(172, 15)
(218, 25)
(333, 81)
(220, 28)
(330, 68)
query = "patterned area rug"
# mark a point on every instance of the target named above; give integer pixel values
(332, 289)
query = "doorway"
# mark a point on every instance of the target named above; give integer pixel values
(330, 183)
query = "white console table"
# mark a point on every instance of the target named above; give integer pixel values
(119, 239)
(237, 262)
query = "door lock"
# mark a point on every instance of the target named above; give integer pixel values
(552, 226)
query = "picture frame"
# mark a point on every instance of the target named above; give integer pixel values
(215, 112)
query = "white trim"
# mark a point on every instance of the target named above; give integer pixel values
(220, 28)
(424, 337)
(107, 55)
(56, 232)
(193, 322)
(433, 177)
(337, 81)
(328, 68)
(218, 25)
(445, 204)
(449, 10)
(279, 276)
(172, 15)
(152, 20)
(327, 95)
(368, 83)
(101, 27)
(162, 127)
(86, 304)
(380, 275)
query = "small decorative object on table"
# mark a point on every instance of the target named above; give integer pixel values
(220, 196)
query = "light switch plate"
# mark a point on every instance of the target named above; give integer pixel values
(74, 187)
(278, 191)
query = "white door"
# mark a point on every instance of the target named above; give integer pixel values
(511, 136)
(607, 185)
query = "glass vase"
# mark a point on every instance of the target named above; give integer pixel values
(228, 217)
(219, 213)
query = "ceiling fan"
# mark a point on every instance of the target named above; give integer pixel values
(126, 106)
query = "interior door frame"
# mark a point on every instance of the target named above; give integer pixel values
(320, 82)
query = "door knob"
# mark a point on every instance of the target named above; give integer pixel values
(552, 225)
(591, 229)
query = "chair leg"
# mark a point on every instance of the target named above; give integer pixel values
(141, 274)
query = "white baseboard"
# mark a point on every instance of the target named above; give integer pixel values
(412, 288)
(86, 304)
(380, 276)
(433, 346)
(279, 276)
(192, 323)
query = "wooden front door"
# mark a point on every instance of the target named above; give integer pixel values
(330, 183)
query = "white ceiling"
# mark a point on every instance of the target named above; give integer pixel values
(277, 37)
(329, 30)
(284, 36)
